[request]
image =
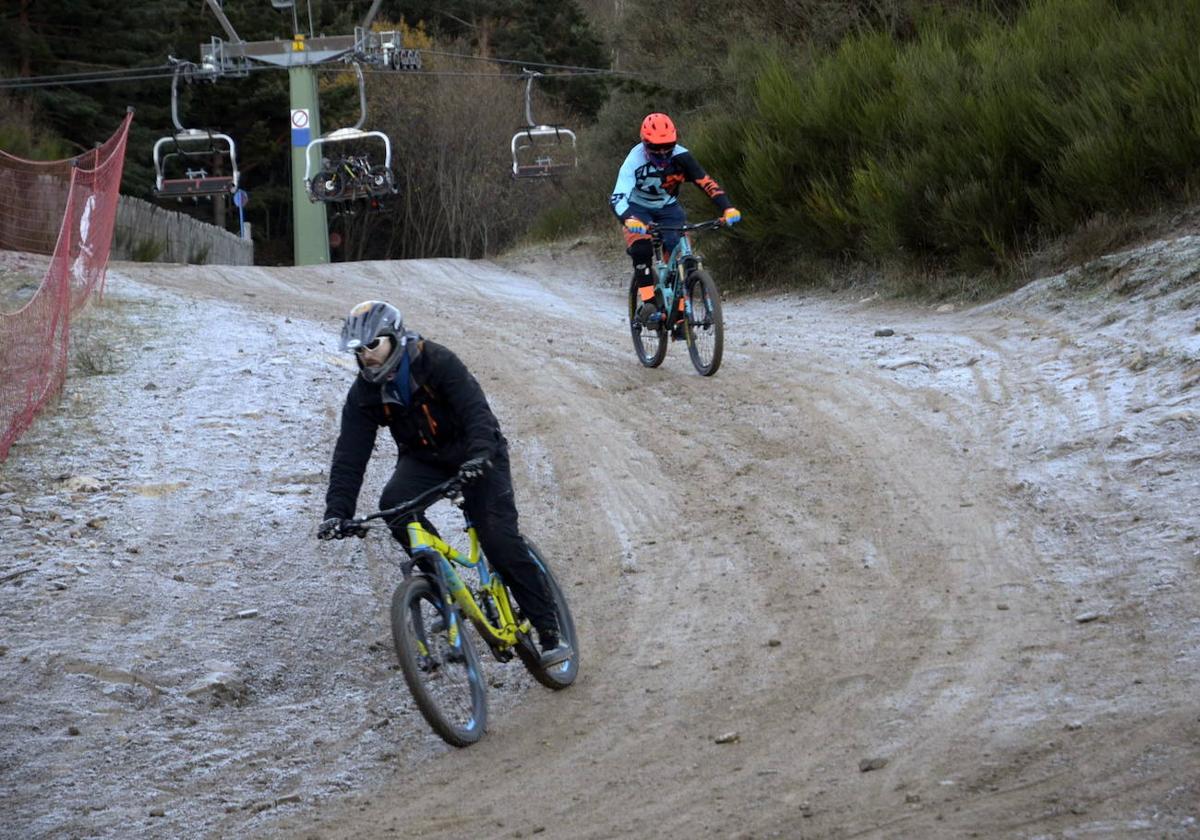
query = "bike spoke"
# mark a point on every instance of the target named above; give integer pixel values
(448, 679)
(705, 329)
(439, 665)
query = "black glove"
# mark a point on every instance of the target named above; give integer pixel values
(473, 469)
(338, 529)
(331, 528)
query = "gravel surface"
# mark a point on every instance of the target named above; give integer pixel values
(894, 571)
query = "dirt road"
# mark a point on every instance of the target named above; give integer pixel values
(939, 583)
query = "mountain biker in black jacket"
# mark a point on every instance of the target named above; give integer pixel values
(442, 425)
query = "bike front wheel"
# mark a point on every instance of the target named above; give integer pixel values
(563, 674)
(650, 343)
(381, 181)
(705, 327)
(439, 663)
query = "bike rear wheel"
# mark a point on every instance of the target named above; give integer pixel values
(563, 674)
(650, 343)
(705, 329)
(443, 674)
(320, 186)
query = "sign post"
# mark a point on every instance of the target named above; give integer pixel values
(241, 198)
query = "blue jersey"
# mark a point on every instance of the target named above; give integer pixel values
(650, 185)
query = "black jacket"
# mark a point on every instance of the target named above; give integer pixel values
(447, 421)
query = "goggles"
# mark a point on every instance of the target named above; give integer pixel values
(370, 345)
(659, 153)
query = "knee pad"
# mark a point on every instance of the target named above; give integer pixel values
(642, 252)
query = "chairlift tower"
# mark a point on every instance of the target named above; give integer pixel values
(301, 56)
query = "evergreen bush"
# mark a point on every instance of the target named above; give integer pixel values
(968, 142)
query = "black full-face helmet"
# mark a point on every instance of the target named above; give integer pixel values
(367, 323)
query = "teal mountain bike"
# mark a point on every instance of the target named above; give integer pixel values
(687, 301)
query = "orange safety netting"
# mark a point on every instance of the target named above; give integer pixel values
(65, 209)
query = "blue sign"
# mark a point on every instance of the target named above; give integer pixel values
(241, 198)
(301, 130)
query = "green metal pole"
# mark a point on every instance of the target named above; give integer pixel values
(310, 228)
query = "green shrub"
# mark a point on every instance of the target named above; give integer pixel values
(148, 250)
(556, 221)
(966, 143)
(199, 255)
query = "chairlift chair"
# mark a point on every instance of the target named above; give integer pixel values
(187, 179)
(348, 177)
(180, 159)
(541, 151)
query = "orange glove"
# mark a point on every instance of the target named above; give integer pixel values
(635, 225)
(731, 216)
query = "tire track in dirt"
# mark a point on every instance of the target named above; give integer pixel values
(897, 531)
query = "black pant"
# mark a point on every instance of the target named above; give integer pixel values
(491, 507)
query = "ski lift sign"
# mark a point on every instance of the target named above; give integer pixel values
(301, 133)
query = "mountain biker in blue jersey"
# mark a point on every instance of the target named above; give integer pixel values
(443, 426)
(647, 192)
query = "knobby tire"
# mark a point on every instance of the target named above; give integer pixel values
(562, 675)
(649, 344)
(447, 683)
(706, 327)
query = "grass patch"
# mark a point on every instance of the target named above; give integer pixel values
(93, 350)
(103, 333)
(199, 255)
(147, 250)
(1101, 234)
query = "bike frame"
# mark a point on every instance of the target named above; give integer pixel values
(672, 273)
(503, 631)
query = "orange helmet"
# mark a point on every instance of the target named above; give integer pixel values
(658, 130)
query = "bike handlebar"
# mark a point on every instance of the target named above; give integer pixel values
(710, 224)
(448, 489)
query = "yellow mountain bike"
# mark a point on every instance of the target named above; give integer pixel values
(438, 660)
(688, 304)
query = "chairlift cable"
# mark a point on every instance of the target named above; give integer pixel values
(597, 70)
(458, 73)
(161, 71)
(104, 77)
(92, 73)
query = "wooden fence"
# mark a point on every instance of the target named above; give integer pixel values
(146, 232)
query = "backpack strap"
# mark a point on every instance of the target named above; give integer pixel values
(404, 377)
(400, 385)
